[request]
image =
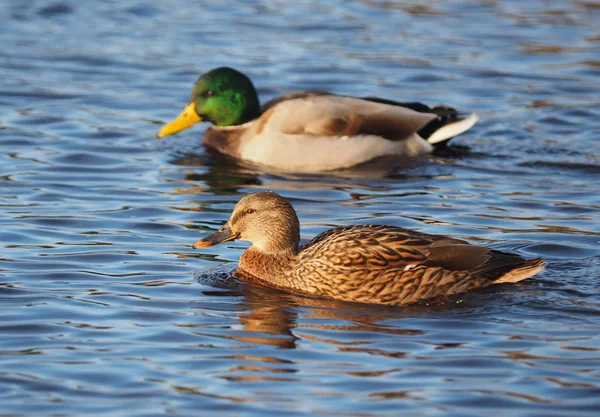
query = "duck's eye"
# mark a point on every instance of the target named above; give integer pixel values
(209, 93)
(250, 211)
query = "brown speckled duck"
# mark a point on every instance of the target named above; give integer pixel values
(363, 263)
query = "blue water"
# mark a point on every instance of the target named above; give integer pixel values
(107, 310)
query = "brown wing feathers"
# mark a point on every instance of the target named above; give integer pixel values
(360, 247)
(372, 246)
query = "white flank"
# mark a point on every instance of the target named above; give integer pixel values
(450, 130)
(306, 153)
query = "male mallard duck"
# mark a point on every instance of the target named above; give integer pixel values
(311, 131)
(364, 263)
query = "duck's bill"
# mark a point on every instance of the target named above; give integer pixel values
(187, 118)
(224, 234)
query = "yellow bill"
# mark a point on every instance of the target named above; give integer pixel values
(187, 118)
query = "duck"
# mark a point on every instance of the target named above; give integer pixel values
(377, 264)
(311, 131)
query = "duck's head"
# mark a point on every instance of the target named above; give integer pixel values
(222, 96)
(265, 219)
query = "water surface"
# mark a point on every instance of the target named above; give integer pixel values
(106, 309)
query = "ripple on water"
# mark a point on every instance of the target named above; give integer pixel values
(108, 310)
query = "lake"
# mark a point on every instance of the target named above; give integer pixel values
(108, 311)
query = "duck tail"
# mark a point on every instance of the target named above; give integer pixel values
(523, 271)
(447, 129)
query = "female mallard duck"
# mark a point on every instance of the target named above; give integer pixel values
(311, 131)
(364, 263)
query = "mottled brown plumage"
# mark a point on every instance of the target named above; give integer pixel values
(364, 263)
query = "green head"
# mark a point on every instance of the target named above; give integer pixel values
(225, 97)
(222, 96)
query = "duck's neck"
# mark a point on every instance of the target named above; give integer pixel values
(269, 267)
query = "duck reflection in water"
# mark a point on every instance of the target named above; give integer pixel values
(271, 316)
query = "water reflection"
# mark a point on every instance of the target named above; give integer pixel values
(219, 174)
(270, 316)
